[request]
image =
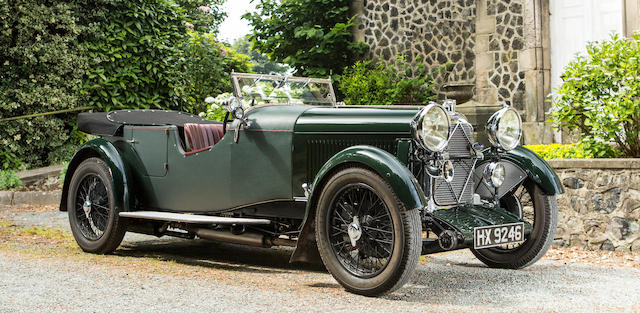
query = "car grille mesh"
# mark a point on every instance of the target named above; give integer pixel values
(322, 149)
(460, 190)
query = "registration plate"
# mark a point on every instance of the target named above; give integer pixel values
(497, 235)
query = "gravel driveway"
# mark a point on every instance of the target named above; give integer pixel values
(157, 275)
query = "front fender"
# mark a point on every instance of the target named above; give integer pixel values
(537, 169)
(106, 151)
(398, 176)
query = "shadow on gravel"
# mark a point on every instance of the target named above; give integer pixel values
(217, 255)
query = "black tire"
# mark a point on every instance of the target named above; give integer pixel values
(395, 265)
(95, 224)
(540, 209)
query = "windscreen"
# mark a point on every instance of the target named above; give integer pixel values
(256, 89)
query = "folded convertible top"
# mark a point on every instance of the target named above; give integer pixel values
(110, 124)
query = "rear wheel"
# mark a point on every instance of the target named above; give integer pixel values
(529, 203)
(94, 218)
(366, 239)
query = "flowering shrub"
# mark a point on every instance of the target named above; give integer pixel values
(600, 97)
(214, 111)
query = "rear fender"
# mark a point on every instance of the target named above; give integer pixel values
(386, 165)
(107, 152)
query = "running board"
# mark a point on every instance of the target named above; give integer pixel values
(192, 218)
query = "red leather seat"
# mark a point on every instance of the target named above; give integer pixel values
(202, 136)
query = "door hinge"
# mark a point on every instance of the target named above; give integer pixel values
(166, 166)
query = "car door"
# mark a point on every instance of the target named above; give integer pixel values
(150, 143)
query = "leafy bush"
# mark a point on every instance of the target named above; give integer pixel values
(311, 36)
(207, 64)
(600, 96)
(9, 161)
(41, 70)
(368, 83)
(9, 180)
(558, 151)
(133, 47)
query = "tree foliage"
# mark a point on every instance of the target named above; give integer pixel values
(311, 36)
(261, 63)
(600, 96)
(208, 64)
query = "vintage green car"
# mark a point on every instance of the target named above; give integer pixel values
(367, 190)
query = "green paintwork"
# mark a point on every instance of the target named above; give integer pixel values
(466, 218)
(537, 169)
(398, 176)
(356, 120)
(229, 175)
(150, 143)
(282, 148)
(111, 156)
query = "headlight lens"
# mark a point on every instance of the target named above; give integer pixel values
(505, 129)
(494, 174)
(431, 128)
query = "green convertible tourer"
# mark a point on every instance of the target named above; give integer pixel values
(366, 190)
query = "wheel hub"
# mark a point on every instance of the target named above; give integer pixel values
(355, 231)
(86, 206)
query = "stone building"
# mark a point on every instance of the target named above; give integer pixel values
(499, 51)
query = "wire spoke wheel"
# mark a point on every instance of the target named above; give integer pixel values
(93, 210)
(532, 205)
(92, 207)
(519, 203)
(361, 230)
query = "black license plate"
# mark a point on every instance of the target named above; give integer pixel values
(497, 235)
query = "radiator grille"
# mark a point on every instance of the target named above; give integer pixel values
(321, 150)
(460, 190)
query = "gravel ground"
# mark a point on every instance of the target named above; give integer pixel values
(151, 275)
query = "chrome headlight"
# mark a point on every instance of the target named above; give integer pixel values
(430, 128)
(505, 128)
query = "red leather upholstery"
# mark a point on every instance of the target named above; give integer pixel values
(202, 136)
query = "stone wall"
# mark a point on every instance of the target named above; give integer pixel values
(434, 32)
(496, 48)
(600, 208)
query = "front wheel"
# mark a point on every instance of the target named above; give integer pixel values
(367, 240)
(530, 204)
(93, 215)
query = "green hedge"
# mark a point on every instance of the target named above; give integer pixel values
(59, 55)
(42, 69)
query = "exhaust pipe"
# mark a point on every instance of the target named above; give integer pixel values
(246, 238)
